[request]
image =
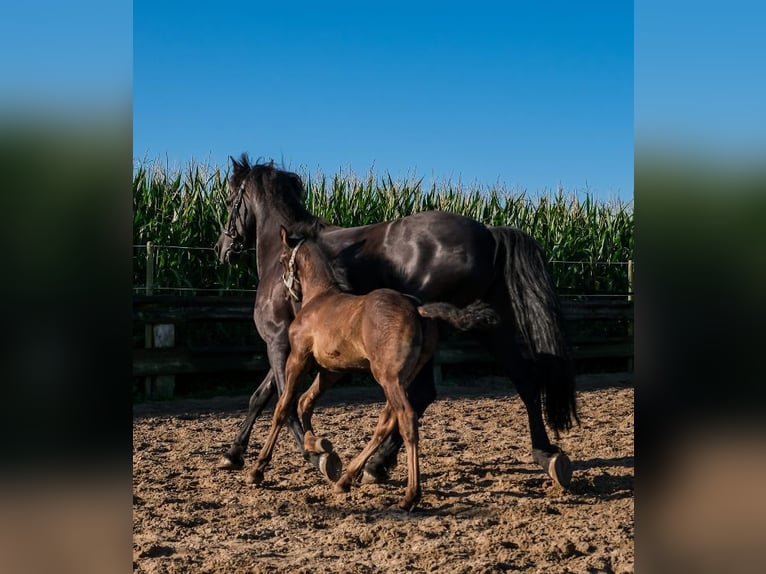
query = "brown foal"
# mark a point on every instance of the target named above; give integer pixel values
(384, 332)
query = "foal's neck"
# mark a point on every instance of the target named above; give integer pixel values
(316, 278)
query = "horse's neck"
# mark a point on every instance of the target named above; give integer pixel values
(265, 255)
(267, 244)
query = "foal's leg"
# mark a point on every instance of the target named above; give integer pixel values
(398, 412)
(323, 381)
(421, 392)
(329, 464)
(295, 368)
(408, 428)
(386, 424)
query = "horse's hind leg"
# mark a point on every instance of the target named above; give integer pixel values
(397, 413)
(550, 457)
(323, 381)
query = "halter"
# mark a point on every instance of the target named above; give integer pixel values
(290, 279)
(237, 241)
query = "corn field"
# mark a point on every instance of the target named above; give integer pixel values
(181, 211)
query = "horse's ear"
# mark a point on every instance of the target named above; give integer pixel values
(234, 164)
(283, 235)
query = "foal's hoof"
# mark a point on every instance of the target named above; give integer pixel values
(254, 477)
(225, 463)
(408, 505)
(324, 445)
(341, 487)
(331, 466)
(316, 445)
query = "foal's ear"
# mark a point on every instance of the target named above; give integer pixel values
(288, 240)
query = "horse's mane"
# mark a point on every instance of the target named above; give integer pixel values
(281, 190)
(310, 233)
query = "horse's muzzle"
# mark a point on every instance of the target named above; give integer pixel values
(222, 250)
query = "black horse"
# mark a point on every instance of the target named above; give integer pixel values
(433, 256)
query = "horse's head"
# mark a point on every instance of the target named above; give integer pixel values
(254, 189)
(238, 232)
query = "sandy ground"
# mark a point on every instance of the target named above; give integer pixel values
(486, 507)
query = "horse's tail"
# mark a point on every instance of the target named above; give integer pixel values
(538, 318)
(477, 315)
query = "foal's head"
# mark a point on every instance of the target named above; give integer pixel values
(307, 269)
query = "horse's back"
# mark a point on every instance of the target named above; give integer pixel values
(433, 255)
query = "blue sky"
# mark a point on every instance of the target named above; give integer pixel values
(531, 95)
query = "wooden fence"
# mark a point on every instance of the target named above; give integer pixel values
(600, 328)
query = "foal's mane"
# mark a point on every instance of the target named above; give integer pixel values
(282, 191)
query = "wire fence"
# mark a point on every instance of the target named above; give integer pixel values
(193, 270)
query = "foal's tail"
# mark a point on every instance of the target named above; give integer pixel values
(537, 316)
(477, 315)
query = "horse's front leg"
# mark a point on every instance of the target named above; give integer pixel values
(323, 381)
(234, 457)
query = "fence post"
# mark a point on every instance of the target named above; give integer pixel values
(164, 337)
(148, 331)
(157, 336)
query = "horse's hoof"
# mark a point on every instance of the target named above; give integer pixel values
(225, 463)
(330, 466)
(373, 478)
(560, 469)
(556, 464)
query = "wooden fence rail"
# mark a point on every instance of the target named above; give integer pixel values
(150, 361)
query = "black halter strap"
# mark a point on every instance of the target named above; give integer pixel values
(238, 242)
